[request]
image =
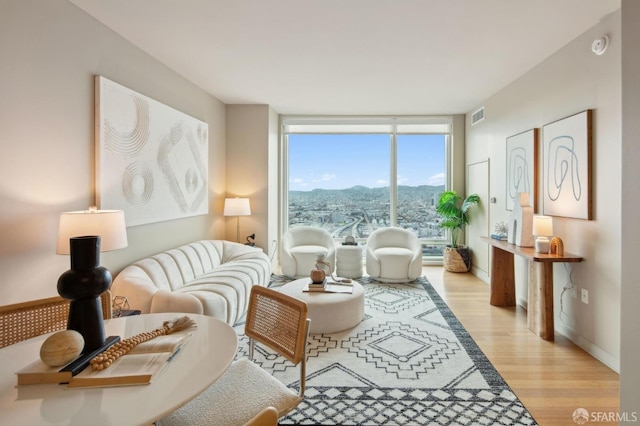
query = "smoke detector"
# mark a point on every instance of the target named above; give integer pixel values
(599, 45)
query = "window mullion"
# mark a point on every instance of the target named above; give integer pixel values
(393, 178)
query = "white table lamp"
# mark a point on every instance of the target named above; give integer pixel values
(108, 224)
(237, 207)
(542, 230)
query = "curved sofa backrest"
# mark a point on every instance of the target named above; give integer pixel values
(171, 269)
(309, 235)
(393, 237)
(198, 258)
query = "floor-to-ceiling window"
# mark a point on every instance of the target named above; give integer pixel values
(352, 176)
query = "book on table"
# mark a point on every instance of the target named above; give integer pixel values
(330, 287)
(311, 286)
(38, 373)
(138, 367)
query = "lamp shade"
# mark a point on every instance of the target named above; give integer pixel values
(543, 226)
(237, 207)
(108, 224)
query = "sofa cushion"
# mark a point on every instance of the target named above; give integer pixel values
(167, 301)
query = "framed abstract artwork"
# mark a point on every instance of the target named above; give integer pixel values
(522, 167)
(151, 160)
(566, 176)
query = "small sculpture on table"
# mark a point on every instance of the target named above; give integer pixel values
(317, 276)
(556, 247)
(324, 265)
(120, 304)
(501, 231)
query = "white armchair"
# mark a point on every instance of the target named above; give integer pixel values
(300, 247)
(394, 255)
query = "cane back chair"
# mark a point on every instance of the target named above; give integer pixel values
(22, 321)
(274, 320)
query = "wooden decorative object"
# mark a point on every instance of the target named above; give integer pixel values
(317, 275)
(556, 246)
(61, 348)
(106, 358)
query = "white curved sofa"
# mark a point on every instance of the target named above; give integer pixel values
(210, 277)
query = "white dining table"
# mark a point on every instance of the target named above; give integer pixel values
(204, 358)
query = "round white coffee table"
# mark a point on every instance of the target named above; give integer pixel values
(329, 312)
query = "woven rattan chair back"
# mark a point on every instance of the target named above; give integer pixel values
(25, 320)
(277, 321)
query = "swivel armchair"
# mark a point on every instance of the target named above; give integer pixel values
(300, 248)
(394, 255)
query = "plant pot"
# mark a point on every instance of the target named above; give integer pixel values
(457, 259)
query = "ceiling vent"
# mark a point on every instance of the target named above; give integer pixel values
(477, 116)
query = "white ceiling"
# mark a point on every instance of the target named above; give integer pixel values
(364, 57)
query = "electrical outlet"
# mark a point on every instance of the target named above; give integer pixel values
(584, 296)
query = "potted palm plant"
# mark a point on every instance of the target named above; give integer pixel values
(454, 211)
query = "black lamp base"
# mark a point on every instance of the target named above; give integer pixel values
(85, 317)
(84, 359)
(83, 284)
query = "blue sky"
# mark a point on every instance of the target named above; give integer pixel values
(343, 161)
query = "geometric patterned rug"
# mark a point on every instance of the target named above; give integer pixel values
(409, 362)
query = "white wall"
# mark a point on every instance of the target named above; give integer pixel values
(630, 335)
(50, 51)
(572, 80)
(251, 139)
(273, 225)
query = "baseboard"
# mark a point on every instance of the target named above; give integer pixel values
(590, 348)
(481, 274)
(522, 302)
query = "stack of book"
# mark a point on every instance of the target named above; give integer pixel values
(501, 237)
(138, 367)
(317, 286)
(328, 287)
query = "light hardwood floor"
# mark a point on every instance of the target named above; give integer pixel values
(552, 379)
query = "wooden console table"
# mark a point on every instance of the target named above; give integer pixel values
(540, 297)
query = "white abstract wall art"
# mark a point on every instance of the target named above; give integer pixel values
(522, 168)
(566, 180)
(151, 160)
